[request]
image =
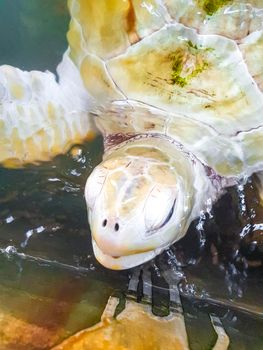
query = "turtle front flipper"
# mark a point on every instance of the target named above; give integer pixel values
(40, 117)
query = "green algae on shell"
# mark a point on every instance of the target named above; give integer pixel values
(182, 72)
(212, 6)
(230, 18)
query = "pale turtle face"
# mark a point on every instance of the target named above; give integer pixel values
(132, 201)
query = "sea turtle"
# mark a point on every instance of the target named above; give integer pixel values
(175, 87)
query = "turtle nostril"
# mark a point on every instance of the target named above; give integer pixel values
(104, 222)
(116, 227)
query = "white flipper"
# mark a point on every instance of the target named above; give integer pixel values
(40, 117)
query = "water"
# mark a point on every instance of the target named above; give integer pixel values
(43, 210)
(51, 286)
(47, 302)
(49, 273)
(33, 33)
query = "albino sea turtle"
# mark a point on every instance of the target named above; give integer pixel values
(175, 87)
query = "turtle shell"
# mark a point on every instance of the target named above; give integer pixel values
(189, 70)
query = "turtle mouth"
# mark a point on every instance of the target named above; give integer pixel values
(122, 262)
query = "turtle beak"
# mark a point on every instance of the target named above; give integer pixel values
(122, 262)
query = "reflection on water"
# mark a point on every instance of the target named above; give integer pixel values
(55, 287)
(43, 303)
(49, 276)
(42, 208)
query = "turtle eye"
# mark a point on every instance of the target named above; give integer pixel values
(94, 185)
(159, 209)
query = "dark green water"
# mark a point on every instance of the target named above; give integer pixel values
(33, 33)
(56, 282)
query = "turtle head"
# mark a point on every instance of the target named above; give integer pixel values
(132, 203)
